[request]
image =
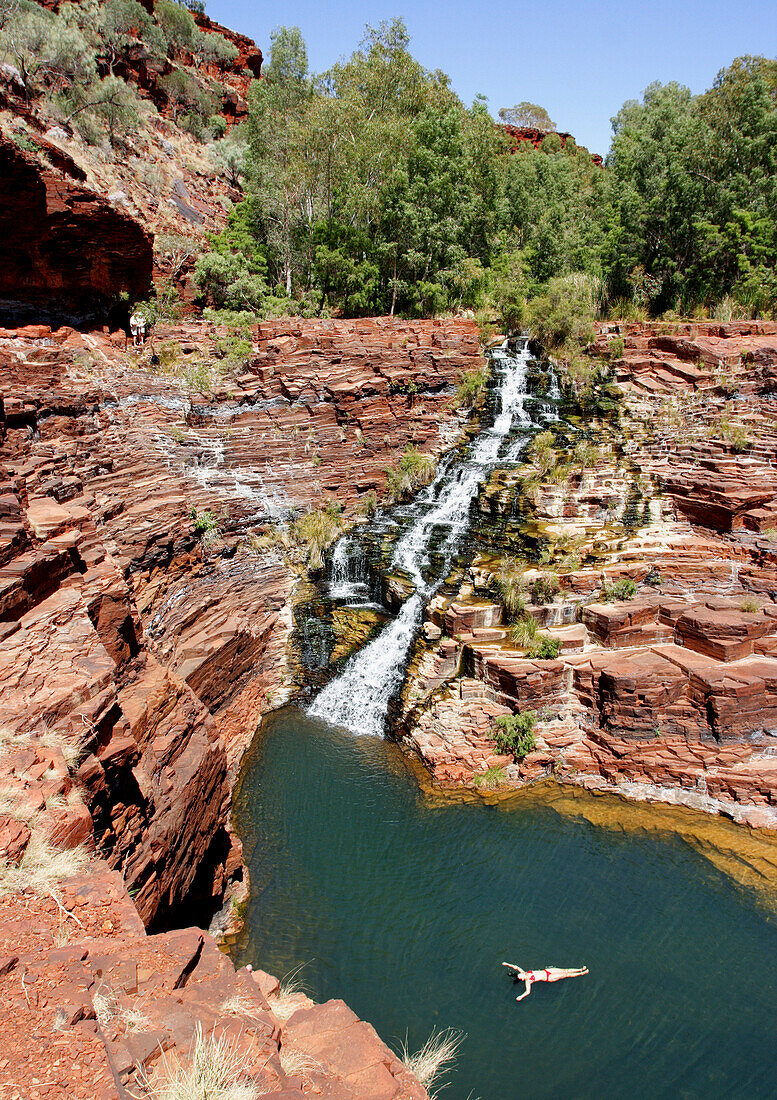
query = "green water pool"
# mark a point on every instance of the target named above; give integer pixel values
(406, 906)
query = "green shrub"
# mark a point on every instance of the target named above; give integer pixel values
(185, 94)
(544, 588)
(22, 141)
(750, 605)
(178, 24)
(369, 505)
(565, 312)
(413, 470)
(615, 348)
(166, 306)
(228, 156)
(215, 48)
(470, 387)
(547, 650)
(514, 733)
(217, 127)
(491, 779)
(227, 282)
(204, 522)
(199, 376)
(624, 589)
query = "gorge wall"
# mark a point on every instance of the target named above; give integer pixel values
(140, 645)
(65, 252)
(138, 653)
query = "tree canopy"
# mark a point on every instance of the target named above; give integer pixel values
(371, 188)
(527, 114)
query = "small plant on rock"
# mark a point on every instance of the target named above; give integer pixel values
(544, 588)
(204, 522)
(491, 779)
(734, 434)
(541, 451)
(510, 590)
(215, 1069)
(524, 631)
(470, 387)
(439, 1050)
(750, 605)
(547, 650)
(369, 505)
(314, 533)
(624, 589)
(615, 348)
(514, 733)
(413, 470)
(292, 994)
(41, 867)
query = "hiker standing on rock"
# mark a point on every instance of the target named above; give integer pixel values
(548, 974)
(138, 326)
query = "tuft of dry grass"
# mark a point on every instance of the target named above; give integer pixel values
(414, 470)
(750, 605)
(291, 995)
(216, 1070)
(296, 1063)
(239, 1004)
(41, 867)
(438, 1053)
(128, 1019)
(314, 533)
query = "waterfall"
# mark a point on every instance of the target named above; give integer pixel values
(359, 697)
(348, 573)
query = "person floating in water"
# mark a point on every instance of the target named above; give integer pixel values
(549, 974)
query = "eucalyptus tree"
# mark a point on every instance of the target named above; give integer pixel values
(282, 166)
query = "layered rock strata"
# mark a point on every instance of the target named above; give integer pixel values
(153, 648)
(141, 644)
(670, 693)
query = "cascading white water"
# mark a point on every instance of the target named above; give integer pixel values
(359, 697)
(348, 577)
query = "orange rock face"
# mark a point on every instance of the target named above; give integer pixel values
(150, 650)
(137, 657)
(114, 1010)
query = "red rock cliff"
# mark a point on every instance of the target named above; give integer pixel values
(65, 252)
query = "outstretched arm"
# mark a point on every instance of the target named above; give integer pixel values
(526, 994)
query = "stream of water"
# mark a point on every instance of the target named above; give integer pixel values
(359, 698)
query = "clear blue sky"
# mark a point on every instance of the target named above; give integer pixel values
(579, 60)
